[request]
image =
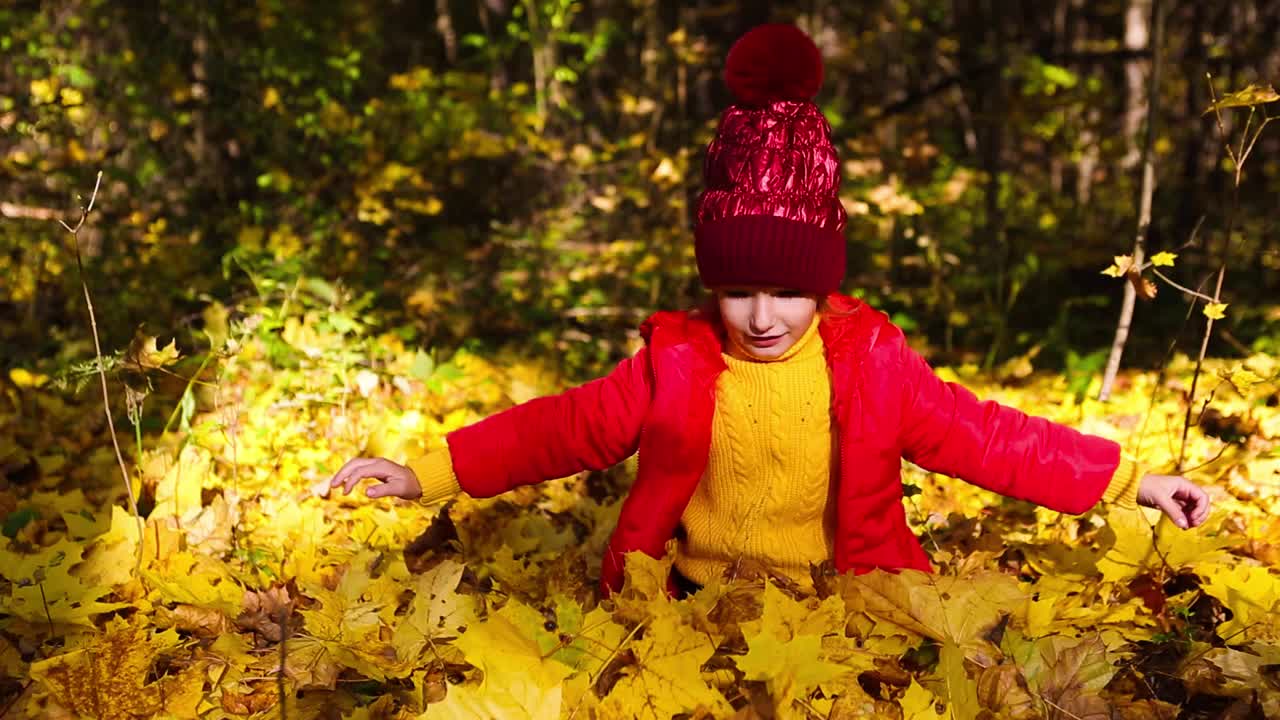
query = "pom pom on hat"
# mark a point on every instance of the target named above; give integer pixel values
(773, 62)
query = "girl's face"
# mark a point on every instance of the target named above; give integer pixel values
(765, 321)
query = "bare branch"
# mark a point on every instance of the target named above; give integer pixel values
(1186, 290)
(102, 371)
(27, 212)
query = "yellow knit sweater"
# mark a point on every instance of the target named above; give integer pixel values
(765, 496)
(766, 492)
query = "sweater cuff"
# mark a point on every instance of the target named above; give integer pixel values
(435, 477)
(1123, 488)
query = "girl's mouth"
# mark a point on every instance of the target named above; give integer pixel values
(763, 342)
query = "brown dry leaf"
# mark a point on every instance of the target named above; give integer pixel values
(310, 664)
(263, 611)
(143, 352)
(1068, 674)
(1129, 709)
(262, 696)
(201, 622)
(1145, 289)
(1003, 691)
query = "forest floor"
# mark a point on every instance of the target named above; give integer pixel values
(245, 587)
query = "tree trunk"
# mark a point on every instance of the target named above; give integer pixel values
(444, 26)
(1136, 37)
(1144, 204)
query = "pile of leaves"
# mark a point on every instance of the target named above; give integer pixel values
(247, 592)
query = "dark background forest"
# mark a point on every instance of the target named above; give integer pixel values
(481, 172)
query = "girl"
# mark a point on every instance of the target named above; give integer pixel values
(771, 422)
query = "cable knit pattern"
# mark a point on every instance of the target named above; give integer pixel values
(765, 496)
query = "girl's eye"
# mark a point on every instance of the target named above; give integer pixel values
(789, 293)
(737, 293)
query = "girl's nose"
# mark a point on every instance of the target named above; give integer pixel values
(761, 313)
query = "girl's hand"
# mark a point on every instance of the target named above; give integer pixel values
(1186, 504)
(397, 480)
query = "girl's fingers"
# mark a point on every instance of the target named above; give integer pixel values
(376, 470)
(1201, 511)
(1171, 508)
(350, 466)
(383, 490)
(356, 470)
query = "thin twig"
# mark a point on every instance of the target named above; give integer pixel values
(1191, 240)
(102, 373)
(1058, 707)
(284, 652)
(1186, 290)
(45, 602)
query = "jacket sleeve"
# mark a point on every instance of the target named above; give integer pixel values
(945, 429)
(589, 427)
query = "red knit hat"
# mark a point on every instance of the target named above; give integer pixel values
(770, 212)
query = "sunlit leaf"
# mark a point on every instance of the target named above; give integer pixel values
(1251, 96)
(1120, 266)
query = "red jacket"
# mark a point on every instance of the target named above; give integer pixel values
(887, 404)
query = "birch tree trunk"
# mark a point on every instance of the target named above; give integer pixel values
(1144, 204)
(1136, 37)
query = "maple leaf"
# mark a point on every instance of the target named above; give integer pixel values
(310, 663)
(1163, 259)
(144, 354)
(786, 617)
(582, 642)
(107, 676)
(918, 704)
(509, 695)
(112, 556)
(44, 589)
(936, 607)
(1120, 266)
(264, 610)
(1241, 378)
(1057, 612)
(1139, 547)
(178, 490)
(1068, 673)
(1002, 690)
(351, 627)
(195, 580)
(518, 680)
(791, 668)
(666, 677)
(211, 529)
(1250, 592)
(958, 688)
(201, 622)
(644, 589)
(787, 648)
(437, 611)
(1233, 673)
(1215, 310)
